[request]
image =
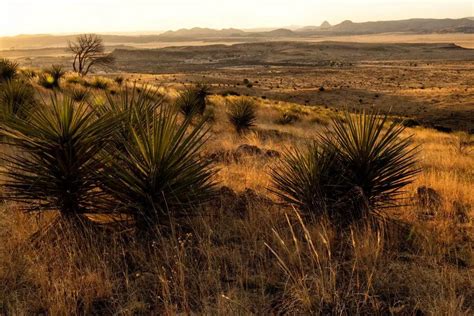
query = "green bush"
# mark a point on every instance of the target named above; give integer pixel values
(242, 115)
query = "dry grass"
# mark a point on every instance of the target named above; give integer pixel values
(249, 255)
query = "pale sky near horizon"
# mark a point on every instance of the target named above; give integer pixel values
(120, 16)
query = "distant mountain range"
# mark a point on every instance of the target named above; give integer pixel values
(465, 25)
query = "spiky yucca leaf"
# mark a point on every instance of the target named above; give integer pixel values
(16, 99)
(57, 163)
(159, 173)
(8, 70)
(377, 158)
(134, 105)
(242, 115)
(360, 167)
(306, 178)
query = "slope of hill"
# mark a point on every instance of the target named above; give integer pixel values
(411, 25)
(465, 25)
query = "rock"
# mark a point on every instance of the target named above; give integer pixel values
(248, 150)
(239, 205)
(428, 200)
(428, 197)
(245, 150)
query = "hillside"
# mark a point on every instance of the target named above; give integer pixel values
(412, 25)
(423, 26)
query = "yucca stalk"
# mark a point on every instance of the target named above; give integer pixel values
(56, 164)
(159, 173)
(242, 115)
(379, 160)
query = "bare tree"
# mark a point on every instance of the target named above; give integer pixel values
(89, 50)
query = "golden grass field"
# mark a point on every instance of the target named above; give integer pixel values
(247, 254)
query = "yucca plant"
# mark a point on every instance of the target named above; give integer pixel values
(57, 72)
(51, 77)
(159, 173)
(307, 178)
(192, 101)
(56, 164)
(17, 98)
(242, 115)
(46, 81)
(370, 163)
(8, 70)
(379, 159)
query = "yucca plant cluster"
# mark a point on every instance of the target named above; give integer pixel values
(131, 155)
(357, 168)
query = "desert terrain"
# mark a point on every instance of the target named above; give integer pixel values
(245, 250)
(431, 82)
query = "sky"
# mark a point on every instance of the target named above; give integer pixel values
(121, 16)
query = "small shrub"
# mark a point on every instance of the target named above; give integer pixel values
(16, 98)
(242, 115)
(98, 83)
(118, 80)
(462, 143)
(46, 81)
(287, 118)
(193, 100)
(29, 73)
(51, 77)
(8, 70)
(75, 80)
